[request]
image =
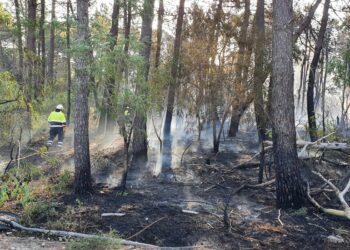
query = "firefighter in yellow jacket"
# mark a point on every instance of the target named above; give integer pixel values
(57, 122)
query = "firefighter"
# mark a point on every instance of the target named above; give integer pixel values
(57, 122)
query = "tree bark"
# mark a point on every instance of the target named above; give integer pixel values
(311, 83)
(238, 112)
(51, 55)
(30, 61)
(82, 183)
(174, 72)
(31, 45)
(140, 121)
(69, 68)
(324, 88)
(19, 42)
(159, 32)
(290, 193)
(260, 115)
(43, 46)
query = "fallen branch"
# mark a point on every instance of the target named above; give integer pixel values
(261, 185)
(279, 217)
(67, 234)
(336, 212)
(183, 153)
(112, 214)
(189, 212)
(249, 160)
(340, 164)
(138, 233)
(316, 145)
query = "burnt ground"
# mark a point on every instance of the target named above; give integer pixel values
(225, 217)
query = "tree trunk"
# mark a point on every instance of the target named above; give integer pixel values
(51, 56)
(313, 68)
(159, 32)
(31, 45)
(216, 142)
(43, 46)
(30, 61)
(324, 88)
(240, 65)
(69, 68)
(306, 21)
(107, 119)
(238, 111)
(140, 129)
(290, 193)
(19, 42)
(259, 106)
(174, 72)
(234, 124)
(82, 183)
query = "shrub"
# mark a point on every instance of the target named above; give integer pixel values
(39, 211)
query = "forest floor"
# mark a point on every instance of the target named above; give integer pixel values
(204, 206)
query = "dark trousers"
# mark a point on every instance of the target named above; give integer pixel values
(56, 131)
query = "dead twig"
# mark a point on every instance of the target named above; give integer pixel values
(279, 217)
(183, 153)
(138, 233)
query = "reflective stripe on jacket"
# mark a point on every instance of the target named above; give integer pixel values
(56, 119)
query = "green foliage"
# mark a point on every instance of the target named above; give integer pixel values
(11, 112)
(338, 66)
(39, 211)
(53, 162)
(109, 241)
(65, 180)
(27, 172)
(13, 189)
(5, 18)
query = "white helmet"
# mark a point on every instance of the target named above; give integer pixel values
(59, 106)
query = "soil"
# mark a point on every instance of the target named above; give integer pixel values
(201, 206)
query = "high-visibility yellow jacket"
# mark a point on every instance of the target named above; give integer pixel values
(57, 119)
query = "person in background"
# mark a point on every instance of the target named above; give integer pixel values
(57, 122)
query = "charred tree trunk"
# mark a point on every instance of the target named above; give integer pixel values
(69, 67)
(290, 193)
(311, 83)
(174, 72)
(140, 130)
(82, 183)
(238, 111)
(259, 106)
(51, 55)
(159, 32)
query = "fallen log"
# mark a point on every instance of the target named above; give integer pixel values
(316, 145)
(67, 234)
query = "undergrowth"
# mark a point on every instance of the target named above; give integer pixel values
(110, 241)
